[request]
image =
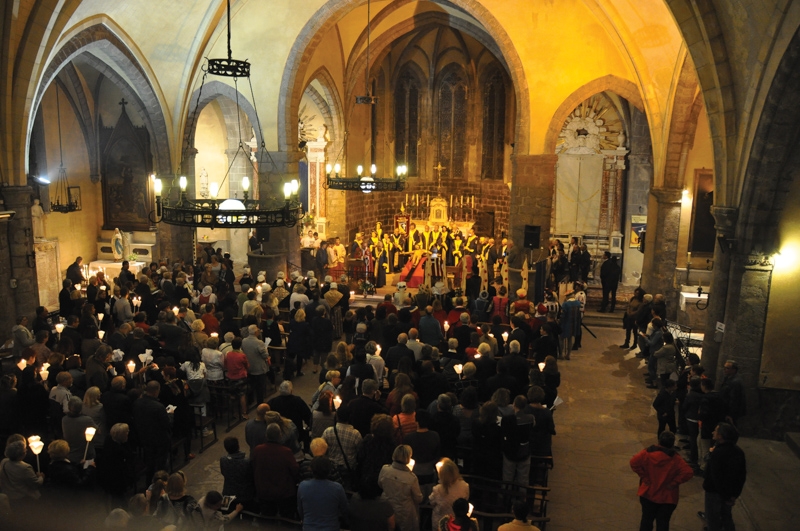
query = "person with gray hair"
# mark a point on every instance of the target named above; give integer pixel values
(362, 408)
(293, 408)
(18, 480)
(257, 358)
(416, 345)
(73, 426)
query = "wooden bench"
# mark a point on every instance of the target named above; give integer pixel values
(495, 496)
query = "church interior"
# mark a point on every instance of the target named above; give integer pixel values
(664, 132)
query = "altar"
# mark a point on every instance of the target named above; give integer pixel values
(111, 268)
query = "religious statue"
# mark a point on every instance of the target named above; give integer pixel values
(117, 245)
(37, 219)
(204, 190)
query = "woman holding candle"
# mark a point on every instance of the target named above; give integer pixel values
(74, 425)
(450, 488)
(401, 488)
(63, 475)
(18, 480)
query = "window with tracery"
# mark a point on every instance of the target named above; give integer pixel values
(494, 114)
(406, 121)
(452, 124)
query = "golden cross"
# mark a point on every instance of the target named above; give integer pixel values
(439, 168)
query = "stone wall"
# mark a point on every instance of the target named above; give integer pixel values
(363, 210)
(639, 178)
(532, 195)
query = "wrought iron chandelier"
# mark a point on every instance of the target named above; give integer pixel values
(232, 213)
(66, 197)
(366, 183)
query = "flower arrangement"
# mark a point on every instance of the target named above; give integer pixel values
(367, 287)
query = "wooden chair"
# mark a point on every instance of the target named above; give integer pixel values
(201, 423)
(494, 496)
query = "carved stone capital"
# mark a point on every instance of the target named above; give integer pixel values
(725, 219)
(667, 195)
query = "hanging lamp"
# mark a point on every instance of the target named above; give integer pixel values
(230, 213)
(366, 183)
(66, 200)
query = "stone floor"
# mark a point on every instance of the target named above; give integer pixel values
(605, 420)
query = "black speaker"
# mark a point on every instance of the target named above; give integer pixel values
(532, 235)
(262, 234)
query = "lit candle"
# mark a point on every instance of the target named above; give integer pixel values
(505, 336)
(90, 431)
(473, 201)
(411, 464)
(461, 201)
(428, 200)
(131, 366)
(214, 334)
(458, 368)
(477, 355)
(689, 257)
(337, 402)
(439, 466)
(406, 198)
(59, 328)
(446, 326)
(352, 295)
(451, 200)
(175, 310)
(541, 367)
(101, 333)
(36, 445)
(100, 317)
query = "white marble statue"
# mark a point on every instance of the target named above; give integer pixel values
(117, 245)
(37, 219)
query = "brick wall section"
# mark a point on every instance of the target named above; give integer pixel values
(532, 195)
(363, 210)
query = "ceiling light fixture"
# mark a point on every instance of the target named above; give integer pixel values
(64, 200)
(366, 183)
(231, 213)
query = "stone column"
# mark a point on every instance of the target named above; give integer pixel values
(284, 243)
(725, 223)
(317, 197)
(661, 246)
(532, 195)
(745, 319)
(8, 315)
(25, 295)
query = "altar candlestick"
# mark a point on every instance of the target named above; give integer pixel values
(406, 198)
(473, 201)
(451, 200)
(429, 199)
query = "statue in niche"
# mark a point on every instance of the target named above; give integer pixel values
(37, 219)
(204, 184)
(117, 245)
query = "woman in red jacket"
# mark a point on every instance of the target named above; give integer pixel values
(661, 470)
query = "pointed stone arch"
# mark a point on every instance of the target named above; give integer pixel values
(140, 91)
(331, 12)
(621, 87)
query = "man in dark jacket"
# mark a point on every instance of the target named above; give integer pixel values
(732, 391)
(661, 470)
(153, 427)
(364, 407)
(725, 475)
(74, 272)
(397, 352)
(712, 411)
(116, 403)
(293, 408)
(609, 278)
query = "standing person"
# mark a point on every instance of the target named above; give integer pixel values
(276, 473)
(732, 391)
(517, 430)
(257, 360)
(609, 278)
(724, 478)
(520, 521)
(661, 470)
(322, 333)
(74, 271)
(401, 489)
(451, 487)
(320, 501)
(664, 404)
(153, 428)
(629, 319)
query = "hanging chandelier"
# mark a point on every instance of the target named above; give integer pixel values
(366, 183)
(212, 212)
(66, 197)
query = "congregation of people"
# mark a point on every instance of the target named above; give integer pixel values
(411, 394)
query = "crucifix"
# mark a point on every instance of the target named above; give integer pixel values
(439, 169)
(123, 103)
